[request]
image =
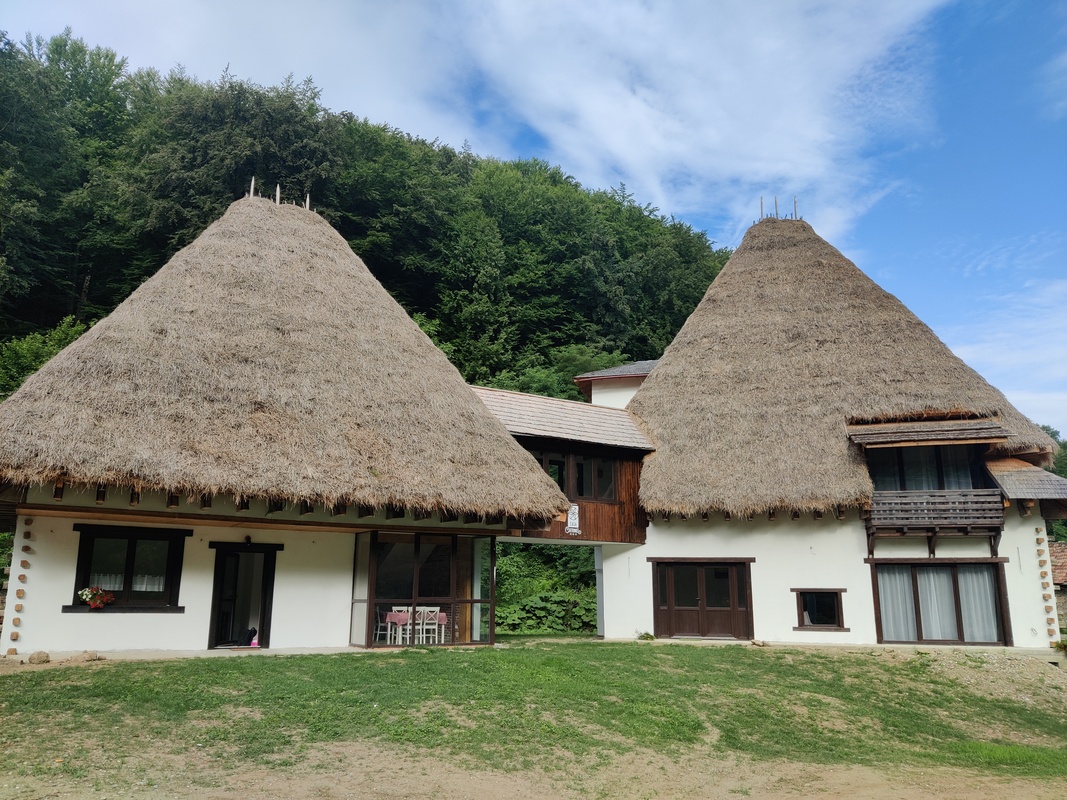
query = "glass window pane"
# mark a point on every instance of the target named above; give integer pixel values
(884, 469)
(395, 569)
(920, 468)
(937, 603)
(741, 574)
(717, 583)
(605, 479)
(685, 586)
(820, 608)
(556, 466)
(108, 568)
(482, 550)
(583, 480)
(956, 465)
(978, 603)
(435, 566)
(149, 570)
(897, 603)
(662, 572)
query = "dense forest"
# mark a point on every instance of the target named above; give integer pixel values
(520, 274)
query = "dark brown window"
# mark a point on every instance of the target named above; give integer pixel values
(580, 477)
(141, 567)
(820, 608)
(926, 468)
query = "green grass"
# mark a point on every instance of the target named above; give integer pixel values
(537, 704)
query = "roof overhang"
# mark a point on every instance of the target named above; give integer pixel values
(927, 432)
(1020, 479)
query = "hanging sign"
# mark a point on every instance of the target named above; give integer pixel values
(572, 521)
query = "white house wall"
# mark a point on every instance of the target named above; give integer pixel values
(814, 554)
(311, 607)
(614, 392)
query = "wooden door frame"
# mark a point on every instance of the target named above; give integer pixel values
(657, 601)
(270, 556)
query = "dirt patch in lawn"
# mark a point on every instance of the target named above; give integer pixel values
(359, 770)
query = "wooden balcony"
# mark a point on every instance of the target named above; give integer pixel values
(952, 512)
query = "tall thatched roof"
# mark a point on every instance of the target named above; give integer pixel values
(748, 406)
(265, 360)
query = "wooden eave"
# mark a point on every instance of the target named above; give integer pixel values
(916, 433)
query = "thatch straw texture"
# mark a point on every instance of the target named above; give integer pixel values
(748, 406)
(265, 360)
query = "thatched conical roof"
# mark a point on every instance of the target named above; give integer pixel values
(265, 360)
(749, 404)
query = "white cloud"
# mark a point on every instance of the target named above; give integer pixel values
(688, 102)
(1021, 348)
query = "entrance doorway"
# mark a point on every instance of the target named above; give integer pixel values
(705, 599)
(243, 594)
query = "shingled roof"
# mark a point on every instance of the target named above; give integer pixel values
(1020, 479)
(265, 360)
(568, 420)
(749, 406)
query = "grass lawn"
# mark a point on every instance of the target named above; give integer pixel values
(542, 705)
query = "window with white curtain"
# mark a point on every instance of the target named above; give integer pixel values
(940, 603)
(926, 468)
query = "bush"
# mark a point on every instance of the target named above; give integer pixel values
(554, 612)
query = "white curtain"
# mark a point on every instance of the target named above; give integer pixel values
(109, 582)
(956, 465)
(937, 603)
(978, 603)
(920, 468)
(897, 603)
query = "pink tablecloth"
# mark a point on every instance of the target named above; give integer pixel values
(398, 620)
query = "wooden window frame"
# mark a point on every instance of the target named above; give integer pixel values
(839, 624)
(570, 473)
(175, 539)
(1000, 590)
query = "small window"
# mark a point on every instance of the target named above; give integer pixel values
(580, 477)
(819, 608)
(141, 567)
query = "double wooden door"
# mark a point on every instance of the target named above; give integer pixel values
(707, 599)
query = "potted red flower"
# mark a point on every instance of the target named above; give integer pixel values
(96, 597)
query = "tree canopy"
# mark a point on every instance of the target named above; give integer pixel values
(523, 276)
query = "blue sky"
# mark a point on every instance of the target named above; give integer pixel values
(926, 139)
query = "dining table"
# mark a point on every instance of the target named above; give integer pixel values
(398, 620)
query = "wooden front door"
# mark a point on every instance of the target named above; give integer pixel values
(707, 599)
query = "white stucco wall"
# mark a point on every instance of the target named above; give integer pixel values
(312, 592)
(814, 554)
(614, 392)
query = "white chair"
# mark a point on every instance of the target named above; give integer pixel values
(427, 626)
(404, 631)
(381, 627)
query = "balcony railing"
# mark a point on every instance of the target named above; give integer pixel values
(933, 510)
